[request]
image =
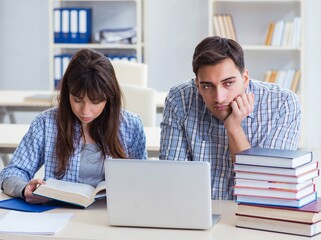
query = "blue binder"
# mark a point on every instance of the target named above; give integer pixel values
(19, 204)
(74, 25)
(65, 24)
(60, 64)
(84, 25)
(57, 25)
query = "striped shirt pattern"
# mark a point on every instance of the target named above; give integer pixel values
(189, 132)
(37, 147)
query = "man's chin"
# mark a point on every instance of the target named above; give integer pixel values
(220, 116)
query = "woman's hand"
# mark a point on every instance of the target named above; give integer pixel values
(30, 187)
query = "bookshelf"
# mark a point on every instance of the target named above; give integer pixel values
(106, 14)
(251, 19)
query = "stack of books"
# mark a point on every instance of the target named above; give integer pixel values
(270, 182)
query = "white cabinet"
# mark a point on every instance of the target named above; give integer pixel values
(251, 21)
(106, 14)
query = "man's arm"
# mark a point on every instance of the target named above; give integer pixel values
(242, 106)
(286, 125)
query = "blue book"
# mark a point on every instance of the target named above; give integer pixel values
(273, 201)
(273, 157)
(18, 204)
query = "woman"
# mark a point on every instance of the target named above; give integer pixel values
(73, 140)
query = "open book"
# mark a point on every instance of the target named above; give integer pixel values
(75, 193)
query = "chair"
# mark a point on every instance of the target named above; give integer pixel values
(142, 101)
(131, 73)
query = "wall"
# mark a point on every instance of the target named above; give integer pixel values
(172, 30)
(24, 44)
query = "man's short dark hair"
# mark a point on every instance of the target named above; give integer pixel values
(215, 49)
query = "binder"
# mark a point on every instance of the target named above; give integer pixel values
(73, 37)
(57, 70)
(65, 62)
(19, 204)
(61, 63)
(57, 26)
(72, 25)
(84, 25)
(65, 25)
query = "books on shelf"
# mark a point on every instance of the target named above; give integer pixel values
(72, 25)
(285, 78)
(74, 193)
(224, 26)
(284, 33)
(273, 157)
(310, 213)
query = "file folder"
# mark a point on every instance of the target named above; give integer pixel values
(57, 26)
(84, 25)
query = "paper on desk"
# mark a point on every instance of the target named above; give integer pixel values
(33, 223)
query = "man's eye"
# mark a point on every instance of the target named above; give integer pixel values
(207, 87)
(229, 83)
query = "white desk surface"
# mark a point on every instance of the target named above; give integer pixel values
(92, 223)
(11, 135)
(16, 98)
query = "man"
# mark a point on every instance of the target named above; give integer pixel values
(222, 112)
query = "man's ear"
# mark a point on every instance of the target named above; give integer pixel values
(246, 78)
(197, 83)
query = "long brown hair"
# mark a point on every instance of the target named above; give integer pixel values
(88, 73)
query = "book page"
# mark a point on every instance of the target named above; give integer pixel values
(100, 190)
(68, 187)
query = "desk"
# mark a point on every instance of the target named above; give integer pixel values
(14, 101)
(92, 223)
(11, 135)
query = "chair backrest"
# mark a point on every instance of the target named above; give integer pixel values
(142, 101)
(131, 73)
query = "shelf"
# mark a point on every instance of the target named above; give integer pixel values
(270, 48)
(255, 1)
(96, 46)
(106, 14)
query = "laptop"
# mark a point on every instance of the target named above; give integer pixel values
(159, 194)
